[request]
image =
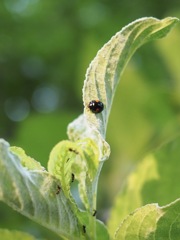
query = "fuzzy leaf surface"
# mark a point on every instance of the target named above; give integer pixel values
(34, 193)
(77, 160)
(104, 72)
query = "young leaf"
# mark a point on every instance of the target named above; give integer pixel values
(155, 177)
(40, 196)
(151, 222)
(80, 161)
(104, 72)
(36, 194)
(26, 161)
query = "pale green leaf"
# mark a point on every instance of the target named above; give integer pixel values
(15, 235)
(36, 194)
(104, 72)
(154, 180)
(41, 197)
(151, 222)
(131, 198)
(80, 159)
(26, 161)
(77, 160)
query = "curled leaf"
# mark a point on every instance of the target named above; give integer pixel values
(103, 75)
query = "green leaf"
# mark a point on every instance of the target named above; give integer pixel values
(35, 194)
(46, 197)
(26, 161)
(152, 222)
(76, 160)
(103, 76)
(80, 160)
(130, 199)
(154, 180)
(102, 233)
(40, 196)
(15, 235)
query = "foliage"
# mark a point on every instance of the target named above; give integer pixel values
(46, 196)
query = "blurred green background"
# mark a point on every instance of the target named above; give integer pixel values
(45, 49)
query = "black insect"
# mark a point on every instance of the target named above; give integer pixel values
(73, 150)
(96, 106)
(94, 213)
(72, 177)
(58, 189)
(84, 229)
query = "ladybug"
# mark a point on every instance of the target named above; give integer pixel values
(96, 106)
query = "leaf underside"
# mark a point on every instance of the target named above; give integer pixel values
(34, 194)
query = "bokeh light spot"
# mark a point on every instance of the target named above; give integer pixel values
(18, 6)
(45, 99)
(17, 109)
(33, 67)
